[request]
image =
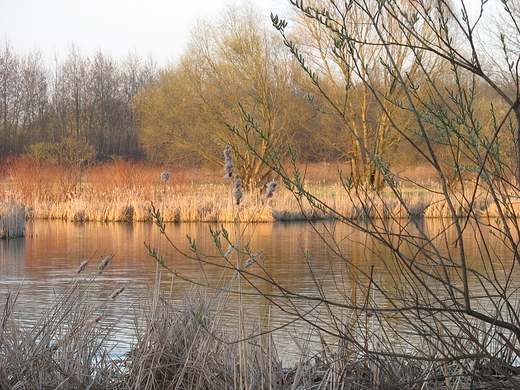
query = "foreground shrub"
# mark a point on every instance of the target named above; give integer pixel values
(207, 340)
(187, 344)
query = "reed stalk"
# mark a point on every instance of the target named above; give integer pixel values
(205, 204)
(68, 346)
(12, 217)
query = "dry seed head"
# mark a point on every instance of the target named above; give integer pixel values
(237, 192)
(116, 293)
(250, 262)
(252, 259)
(104, 264)
(78, 329)
(82, 266)
(94, 321)
(165, 176)
(229, 165)
(228, 252)
(238, 195)
(238, 181)
(270, 189)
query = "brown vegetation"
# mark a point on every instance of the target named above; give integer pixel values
(12, 217)
(131, 109)
(123, 191)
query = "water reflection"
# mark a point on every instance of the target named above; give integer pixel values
(42, 263)
(12, 258)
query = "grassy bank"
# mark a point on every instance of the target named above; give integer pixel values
(122, 191)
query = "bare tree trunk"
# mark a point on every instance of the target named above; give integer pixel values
(516, 108)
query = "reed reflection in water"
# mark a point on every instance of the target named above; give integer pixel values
(42, 263)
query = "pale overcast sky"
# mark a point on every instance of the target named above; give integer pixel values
(159, 28)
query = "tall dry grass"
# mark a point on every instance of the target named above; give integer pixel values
(12, 217)
(123, 191)
(67, 347)
(192, 345)
(186, 344)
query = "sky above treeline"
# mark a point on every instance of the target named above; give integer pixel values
(156, 28)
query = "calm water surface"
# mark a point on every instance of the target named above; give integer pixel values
(42, 263)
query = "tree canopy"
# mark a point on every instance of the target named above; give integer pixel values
(345, 82)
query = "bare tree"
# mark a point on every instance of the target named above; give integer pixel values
(342, 70)
(73, 86)
(11, 97)
(233, 65)
(34, 120)
(432, 310)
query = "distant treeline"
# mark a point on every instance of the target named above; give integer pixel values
(237, 83)
(100, 101)
(88, 98)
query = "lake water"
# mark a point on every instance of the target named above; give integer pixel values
(42, 263)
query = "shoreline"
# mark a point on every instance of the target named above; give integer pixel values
(211, 206)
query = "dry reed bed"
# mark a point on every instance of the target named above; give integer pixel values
(205, 203)
(123, 191)
(12, 217)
